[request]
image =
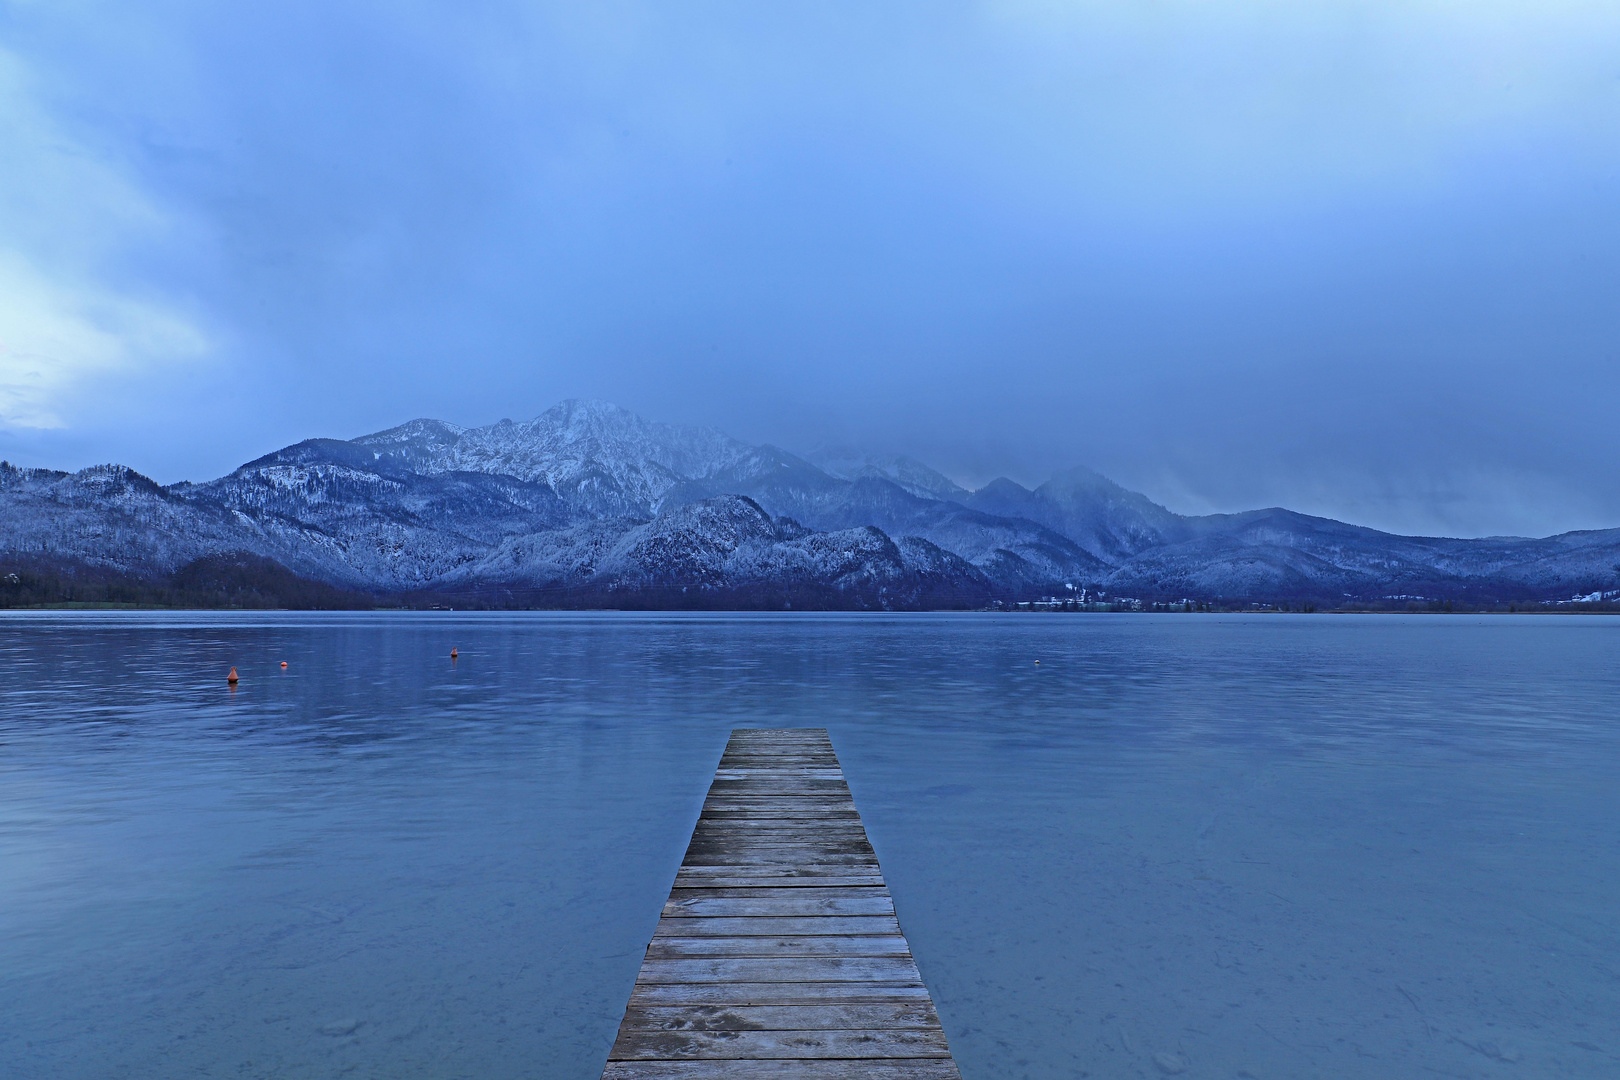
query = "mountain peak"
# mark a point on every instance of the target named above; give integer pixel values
(1004, 487)
(590, 496)
(850, 463)
(605, 457)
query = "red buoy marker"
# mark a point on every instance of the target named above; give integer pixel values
(284, 663)
(453, 653)
(231, 678)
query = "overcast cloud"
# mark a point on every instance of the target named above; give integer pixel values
(1360, 259)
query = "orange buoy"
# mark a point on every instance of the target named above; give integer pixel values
(453, 652)
(231, 678)
(284, 663)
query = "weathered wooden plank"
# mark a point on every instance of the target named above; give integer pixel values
(748, 877)
(760, 797)
(808, 807)
(787, 837)
(732, 860)
(781, 817)
(775, 771)
(786, 821)
(706, 878)
(778, 954)
(782, 969)
(781, 855)
(834, 866)
(768, 891)
(777, 902)
(784, 873)
(819, 993)
(789, 844)
(723, 926)
(803, 769)
(775, 805)
(775, 861)
(822, 798)
(821, 766)
(863, 872)
(784, 755)
(763, 811)
(794, 839)
(781, 831)
(656, 1045)
(802, 779)
(799, 770)
(667, 947)
(786, 1069)
(785, 830)
(804, 813)
(785, 796)
(788, 832)
(785, 845)
(779, 785)
(916, 1014)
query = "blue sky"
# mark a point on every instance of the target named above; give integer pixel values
(1360, 259)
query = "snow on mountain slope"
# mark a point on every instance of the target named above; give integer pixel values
(347, 513)
(1103, 518)
(1278, 552)
(599, 458)
(417, 445)
(322, 480)
(730, 543)
(113, 517)
(781, 482)
(604, 462)
(591, 498)
(908, 473)
(1018, 554)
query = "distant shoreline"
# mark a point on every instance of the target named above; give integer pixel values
(590, 506)
(1146, 610)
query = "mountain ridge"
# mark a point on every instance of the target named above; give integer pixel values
(589, 503)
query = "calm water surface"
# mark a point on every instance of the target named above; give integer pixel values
(1201, 846)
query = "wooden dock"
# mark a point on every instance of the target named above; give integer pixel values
(778, 955)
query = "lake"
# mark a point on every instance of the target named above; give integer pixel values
(1200, 845)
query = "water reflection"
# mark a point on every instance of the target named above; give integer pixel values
(1280, 847)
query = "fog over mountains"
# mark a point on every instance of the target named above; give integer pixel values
(588, 504)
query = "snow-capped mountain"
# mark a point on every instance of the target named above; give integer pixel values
(730, 546)
(590, 504)
(597, 457)
(1103, 518)
(907, 473)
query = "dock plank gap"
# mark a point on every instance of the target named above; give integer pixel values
(778, 955)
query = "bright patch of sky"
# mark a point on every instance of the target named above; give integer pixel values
(1354, 258)
(66, 322)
